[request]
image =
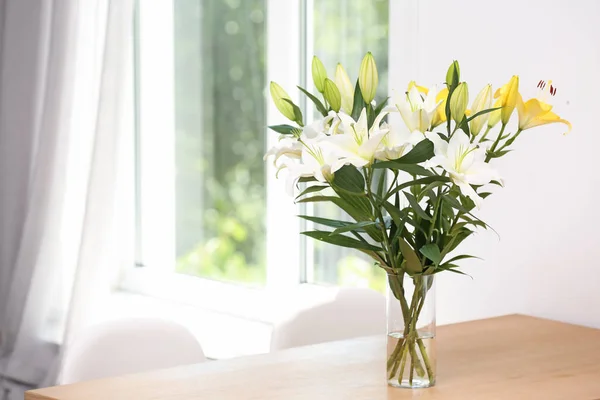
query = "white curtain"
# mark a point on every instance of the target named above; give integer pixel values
(64, 94)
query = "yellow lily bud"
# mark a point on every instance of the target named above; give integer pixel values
(319, 74)
(495, 115)
(483, 101)
(332, 95)
(453, 74)
(367, 78)
(440, 113)
(459, 102)
(508, 94)
(344, 84)
(278, 95)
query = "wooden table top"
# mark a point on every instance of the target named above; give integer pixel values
(512, 357)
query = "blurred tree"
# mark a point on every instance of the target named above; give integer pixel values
(220, 76)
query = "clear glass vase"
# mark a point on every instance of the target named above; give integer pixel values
(411, 358)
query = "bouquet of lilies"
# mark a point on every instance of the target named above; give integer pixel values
(411, 189)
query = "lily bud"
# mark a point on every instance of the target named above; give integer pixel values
(483, 101)
(343, 83)
(453, 74)
(508, 95)
(332, 95)
(495, 115)
(367, 78)
(459, 101)
(278, 95)
(319, 73)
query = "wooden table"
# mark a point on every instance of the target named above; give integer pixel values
(512, 357)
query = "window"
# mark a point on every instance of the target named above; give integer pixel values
(365, 28)
(209, 211)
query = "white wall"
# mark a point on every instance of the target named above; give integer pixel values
(546, 261)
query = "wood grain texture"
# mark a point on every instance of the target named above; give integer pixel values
(512, 357)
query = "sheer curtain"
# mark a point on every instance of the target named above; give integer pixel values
(63, 92)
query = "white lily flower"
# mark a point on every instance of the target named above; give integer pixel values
(395, 143)
(287, 146)
(416, 108)
(316, 161)
(464, 161)
(357, 144)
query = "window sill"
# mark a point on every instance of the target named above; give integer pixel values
(228, 320)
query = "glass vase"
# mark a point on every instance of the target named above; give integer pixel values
(411, 358)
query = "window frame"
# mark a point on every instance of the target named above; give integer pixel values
(154, 272)
(288, 264)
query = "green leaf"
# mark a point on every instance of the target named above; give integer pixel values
(421, 181)
(380, 182)
(333, 223)
(353, 227)
(482, 112)
(305, 179)
(349, 179)
(413, 169)
(456, 240)
(357, 207)
(429, 188)
(380, 107)
(498, 154)
(452, 268)
(358, 104)
(423, 151)
(397, 215)
(454, 203)
(317, 199)
(312, 189)
(414, 205)
(297, 112)
(286, 129)
(341, 240)
(320, 107)
(464, 125)
(432, 252)
(461, 257)
(412, 262)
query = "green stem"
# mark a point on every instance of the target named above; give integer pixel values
(488, 129)
(411, 345)
(426, 360)
(493, 148)
(511, 140)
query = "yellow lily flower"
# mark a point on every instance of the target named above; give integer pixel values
(440, 113)
(535, 112)
(508, 95)
(421, 89)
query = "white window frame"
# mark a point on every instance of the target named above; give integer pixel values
(288, 45)
(286, 64)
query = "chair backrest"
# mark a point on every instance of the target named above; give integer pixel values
(352, 313)
(128, 346)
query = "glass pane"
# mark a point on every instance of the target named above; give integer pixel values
(220, 120)
(344, 30)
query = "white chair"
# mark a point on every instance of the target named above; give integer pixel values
(128, 346)
(351, 313)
